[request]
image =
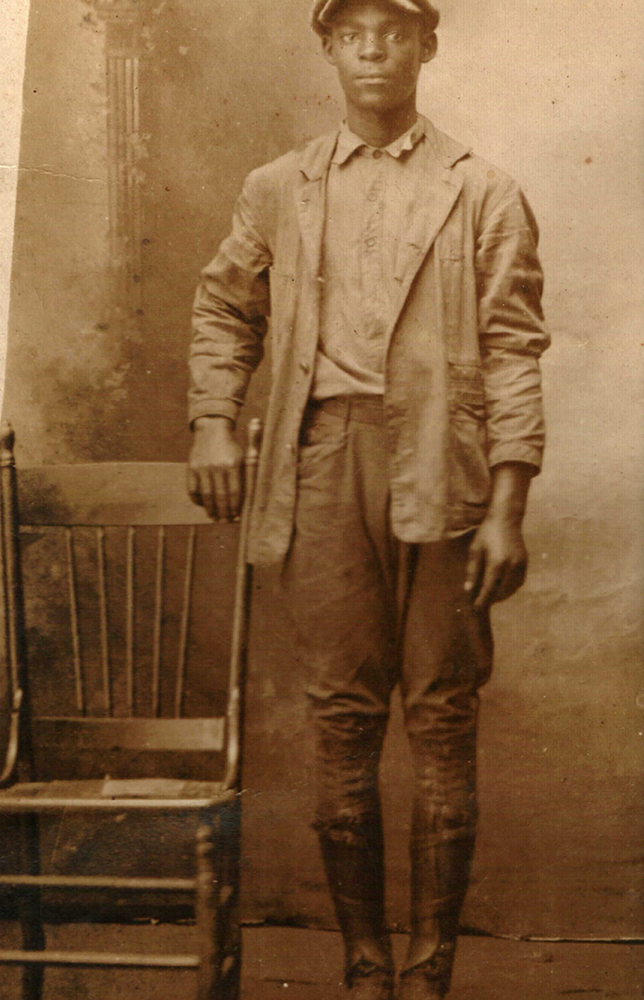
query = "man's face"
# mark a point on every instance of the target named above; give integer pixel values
(377, 50)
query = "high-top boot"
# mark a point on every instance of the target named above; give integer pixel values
(441, 851)
(354, 865)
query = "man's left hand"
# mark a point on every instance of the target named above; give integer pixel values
(498, 558)
(497, 564)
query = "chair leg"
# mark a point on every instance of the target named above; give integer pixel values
(230, 855)
(30, 907)
(207, 905)
(217, 904)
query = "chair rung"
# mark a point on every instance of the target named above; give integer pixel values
(98, 958)
(29, 804)
(100, 882)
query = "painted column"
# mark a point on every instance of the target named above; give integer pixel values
(123, 46)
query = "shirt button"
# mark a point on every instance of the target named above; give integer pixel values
(370, 242)
(377, 153)
(372, 196)
(305, 367)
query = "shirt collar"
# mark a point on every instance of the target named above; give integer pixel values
(349, 143)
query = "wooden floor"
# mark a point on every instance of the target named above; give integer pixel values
(305, 965)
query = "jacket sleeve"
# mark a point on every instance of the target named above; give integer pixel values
(230, 313)
(512, 334)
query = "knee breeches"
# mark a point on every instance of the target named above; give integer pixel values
(371, 613)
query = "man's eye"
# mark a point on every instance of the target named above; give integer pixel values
(395, 36)
(348, 36)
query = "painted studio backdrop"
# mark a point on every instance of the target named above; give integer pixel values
(140, 121)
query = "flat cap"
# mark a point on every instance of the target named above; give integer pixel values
(324, 11)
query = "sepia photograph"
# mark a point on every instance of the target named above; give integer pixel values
(321, 499)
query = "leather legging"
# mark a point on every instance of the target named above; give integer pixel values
(372, 613)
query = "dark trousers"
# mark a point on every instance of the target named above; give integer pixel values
(371, 613)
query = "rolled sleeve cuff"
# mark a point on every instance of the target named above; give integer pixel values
(516, 451)
(214, 408)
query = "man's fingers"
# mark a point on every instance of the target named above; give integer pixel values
(235, 491)
(228, 491)
(208, 493)
(222, 493)
(194, 487)
(200, 490)
(500, 582)
(218, 491)
(487, 592)
(512, 579)
(474, 570)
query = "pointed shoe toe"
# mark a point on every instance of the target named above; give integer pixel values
(373, 985)
(420, 984)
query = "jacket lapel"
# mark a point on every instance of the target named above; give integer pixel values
(311, 196)
(438, 187)
(310, 213)
(437, 190)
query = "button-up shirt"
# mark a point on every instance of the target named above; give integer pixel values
(370, 197)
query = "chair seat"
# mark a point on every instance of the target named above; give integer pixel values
(110, 794)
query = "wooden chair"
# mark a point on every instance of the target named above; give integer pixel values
(100, 730)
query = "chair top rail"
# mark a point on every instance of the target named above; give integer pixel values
(107, 493)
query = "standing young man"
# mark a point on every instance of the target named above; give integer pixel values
(403, 429)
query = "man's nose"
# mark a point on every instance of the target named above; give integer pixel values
(372, 47)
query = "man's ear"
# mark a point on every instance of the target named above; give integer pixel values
(328, 49)
(429, 47)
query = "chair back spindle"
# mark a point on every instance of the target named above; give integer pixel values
(185, 622)
(129, 618)
(73, 621)
(105, 642)
(158, 620)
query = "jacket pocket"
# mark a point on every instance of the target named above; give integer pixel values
(459, 308)
(466, 391)
(320, 428)
(469, 476)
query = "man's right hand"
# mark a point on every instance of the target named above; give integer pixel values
(215, 468)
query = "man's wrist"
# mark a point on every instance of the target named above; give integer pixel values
(510, 486)
(509, 515)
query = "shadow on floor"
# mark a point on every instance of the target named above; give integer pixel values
(296, 964)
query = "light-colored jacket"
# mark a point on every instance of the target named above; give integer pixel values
(463, 386)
